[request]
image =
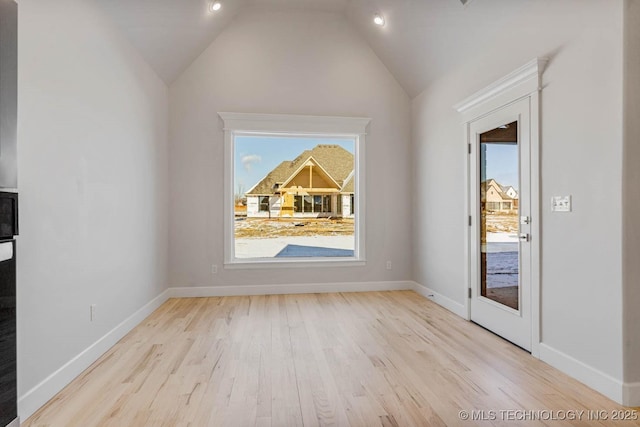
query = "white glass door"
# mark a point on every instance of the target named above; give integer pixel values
(500, 224)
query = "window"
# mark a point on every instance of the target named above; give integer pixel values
(298, 204)
(326, 205)
(264, 203)
(300, 172)
(307, 204)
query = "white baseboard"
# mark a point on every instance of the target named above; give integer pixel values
(446, 302)
(627, 394)
(35, 398)
(631, 394)
(309, 288)
(597, 380)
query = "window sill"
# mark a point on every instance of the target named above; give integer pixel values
(252, 263)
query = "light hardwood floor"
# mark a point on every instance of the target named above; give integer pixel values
(359, 359)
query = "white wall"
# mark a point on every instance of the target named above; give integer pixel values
(289, 62)
(581, 149)
(631, 193)
(93, 174)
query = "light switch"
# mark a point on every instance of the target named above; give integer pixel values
(561, 204)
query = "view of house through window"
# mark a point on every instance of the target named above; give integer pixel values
(294, 197)
(499, 215)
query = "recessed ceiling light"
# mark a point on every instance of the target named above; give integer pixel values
(215, 6)
(378, 19)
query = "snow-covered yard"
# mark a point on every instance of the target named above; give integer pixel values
(291, 245)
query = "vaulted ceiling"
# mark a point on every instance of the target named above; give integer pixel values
(170, 34)
(422, 38)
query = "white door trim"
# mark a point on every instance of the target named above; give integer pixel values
(513, 325)
(525, 82)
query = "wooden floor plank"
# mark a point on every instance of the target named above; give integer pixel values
(359, 359)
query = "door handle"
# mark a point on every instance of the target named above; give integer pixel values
(524, 237)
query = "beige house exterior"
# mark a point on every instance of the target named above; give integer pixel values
(498, 198)
(318, 183)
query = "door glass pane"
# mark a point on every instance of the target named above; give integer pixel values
(499, 214)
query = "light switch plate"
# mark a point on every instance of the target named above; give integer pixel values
(561, 204)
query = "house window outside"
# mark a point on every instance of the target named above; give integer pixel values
(307, 205)
(326, 204)
(306, 170)
(264, 204)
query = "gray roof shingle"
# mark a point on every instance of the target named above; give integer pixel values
(337, 161)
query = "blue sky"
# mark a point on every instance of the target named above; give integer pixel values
(256, 156)
(502, 164)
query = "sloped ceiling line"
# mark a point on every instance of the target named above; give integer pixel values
(421, 41)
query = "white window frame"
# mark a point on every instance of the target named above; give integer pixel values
(238, 124)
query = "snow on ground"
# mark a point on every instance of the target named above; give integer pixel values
(502, 237)
(269, 248)
(502, 259)
(501, 249)
(502, 269)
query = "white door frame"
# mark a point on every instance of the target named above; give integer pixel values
(513, 325)
(525, 82)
